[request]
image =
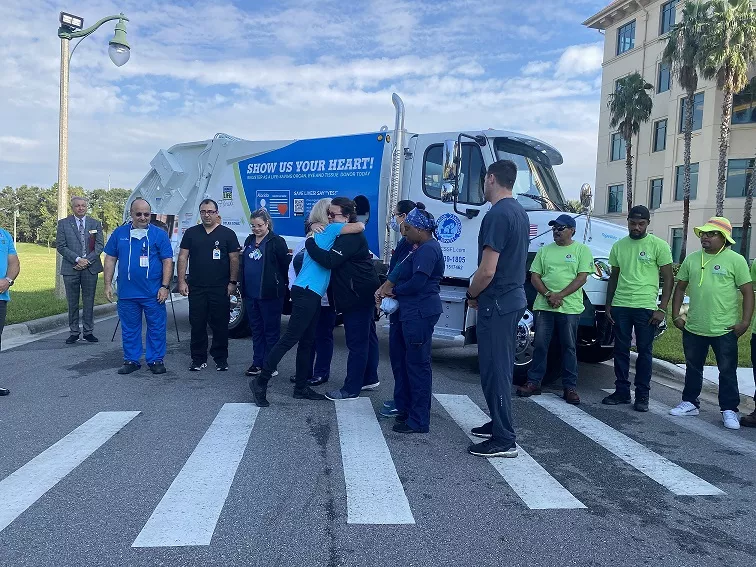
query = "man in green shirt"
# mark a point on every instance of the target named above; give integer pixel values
(631, 303)
(559, 272)
(712, 277)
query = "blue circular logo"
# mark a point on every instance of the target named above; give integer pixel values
(449, 228)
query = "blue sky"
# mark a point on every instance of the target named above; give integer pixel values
(293, 69)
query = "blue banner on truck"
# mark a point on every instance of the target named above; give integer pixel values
(290, 180)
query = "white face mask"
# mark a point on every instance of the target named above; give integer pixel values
(138, 233)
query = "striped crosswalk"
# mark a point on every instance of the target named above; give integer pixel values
(190, 509)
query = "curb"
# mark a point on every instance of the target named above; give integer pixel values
(51, 323)
(674, 377)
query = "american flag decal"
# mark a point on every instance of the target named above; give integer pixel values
(533, 230)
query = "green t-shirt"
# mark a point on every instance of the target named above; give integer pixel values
(713, 291)
(639, 262)
(558, 266)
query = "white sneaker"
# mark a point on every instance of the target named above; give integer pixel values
(275, 373)
(730, 419)
(685, 408)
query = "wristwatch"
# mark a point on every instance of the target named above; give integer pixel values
(468, 296)
(10, 281)
(166, 287)
(233, 282)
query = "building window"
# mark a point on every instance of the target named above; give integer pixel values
(655, 193)
(615, 199)
(744, 105)
(626, 37)
(667, 19)
(676, 244)
(664, 80)
(693, 182)
(618, 147)
(739, 173)
(737, 236)
(660, 135)
(698, 103)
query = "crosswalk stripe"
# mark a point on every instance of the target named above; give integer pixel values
(189, 511)
(375, 494)
(657, 468)
(536, 487)
(704, 429)
(29, 483)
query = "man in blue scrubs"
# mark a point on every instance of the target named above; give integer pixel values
(145, 269)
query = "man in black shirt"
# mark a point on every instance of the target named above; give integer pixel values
(498, 293)
(214, 253)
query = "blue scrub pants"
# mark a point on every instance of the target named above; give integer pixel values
(130, 312)
(264, 316)
(396, 357)
(323, 351)
(362, 342)
(413, 382)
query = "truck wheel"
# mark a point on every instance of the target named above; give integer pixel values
(594, 354)
(237, 322)
(524, 345)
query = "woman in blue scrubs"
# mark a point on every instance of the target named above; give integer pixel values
(417, 288)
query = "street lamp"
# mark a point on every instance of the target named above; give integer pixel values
(71, 27)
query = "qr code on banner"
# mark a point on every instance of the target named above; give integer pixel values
(299, 206)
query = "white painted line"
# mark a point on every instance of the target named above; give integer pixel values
(189, 510)
(536, 487)
(653, 465)
(375, 494)
(29, 483)
(722, 437)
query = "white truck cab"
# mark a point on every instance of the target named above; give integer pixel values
(443, 170)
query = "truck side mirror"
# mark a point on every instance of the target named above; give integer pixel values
(452, 160)
(586, 197)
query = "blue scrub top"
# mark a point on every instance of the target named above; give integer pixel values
(313, 276)
(253, 269)
(134, 281)
(6, 249)
(428, 259)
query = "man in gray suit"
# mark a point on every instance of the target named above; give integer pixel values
(80, 243)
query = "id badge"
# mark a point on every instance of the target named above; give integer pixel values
(216, 254)
(143, 261)
(256, 255)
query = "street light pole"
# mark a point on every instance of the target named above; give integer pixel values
(119, 52)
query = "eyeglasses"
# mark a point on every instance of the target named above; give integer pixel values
(334, 215)
(140, 214)
(208, 212)
(711, 233)
(558, 228)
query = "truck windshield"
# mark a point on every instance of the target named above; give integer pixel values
(537, 187)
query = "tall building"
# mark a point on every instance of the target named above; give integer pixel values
(635, 34)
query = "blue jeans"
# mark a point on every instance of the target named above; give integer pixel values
(264, 317)
(625, 320)
(130, 312)
(725, 349)
(362, 342)
(323, 351)
(565, 326)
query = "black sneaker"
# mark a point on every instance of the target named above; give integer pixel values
(616, 399)
(404, 428)
(221, 366)
(129, 367)
(493, 448)
(4, 391)
(253, 370)
(485, 430)
(72, 339)
(157, 367)
(90, 338)
(307, 394)
(641, 403)
(197, 366)
(315, 380)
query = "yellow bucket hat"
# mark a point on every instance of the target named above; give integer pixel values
(716, 224)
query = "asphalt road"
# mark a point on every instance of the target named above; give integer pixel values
(310, 483)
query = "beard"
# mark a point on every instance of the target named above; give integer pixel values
(637, 236)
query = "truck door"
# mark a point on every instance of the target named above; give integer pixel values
(457, 233)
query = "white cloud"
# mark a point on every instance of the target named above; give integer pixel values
(580, 60)
(537, 67)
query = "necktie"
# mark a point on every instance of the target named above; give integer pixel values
(81, 238)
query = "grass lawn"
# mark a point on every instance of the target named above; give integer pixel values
(33, 293)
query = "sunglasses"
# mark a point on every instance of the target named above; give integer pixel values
(558, 228)
(140, 214)
(711, 234)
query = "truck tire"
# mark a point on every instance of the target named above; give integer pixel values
(237, 322)
(524, 345)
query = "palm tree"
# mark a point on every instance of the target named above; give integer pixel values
(729, 48)
(747, 213)
(683, 53)
(629, 106)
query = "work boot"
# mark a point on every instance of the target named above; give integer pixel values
(259, 387)
(641, 403)
(529, 389)
(571, 396)
(749, 420)
(616, 399)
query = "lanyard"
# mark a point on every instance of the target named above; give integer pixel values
(704, 264)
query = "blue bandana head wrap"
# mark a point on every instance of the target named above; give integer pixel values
(421, 219)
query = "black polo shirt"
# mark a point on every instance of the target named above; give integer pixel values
(209, 264)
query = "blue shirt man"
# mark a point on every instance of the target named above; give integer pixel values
(9, 268)
(145, 267)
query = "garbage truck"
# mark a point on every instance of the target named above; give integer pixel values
(444, 170)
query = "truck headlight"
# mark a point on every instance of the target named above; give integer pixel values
(601, 269)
